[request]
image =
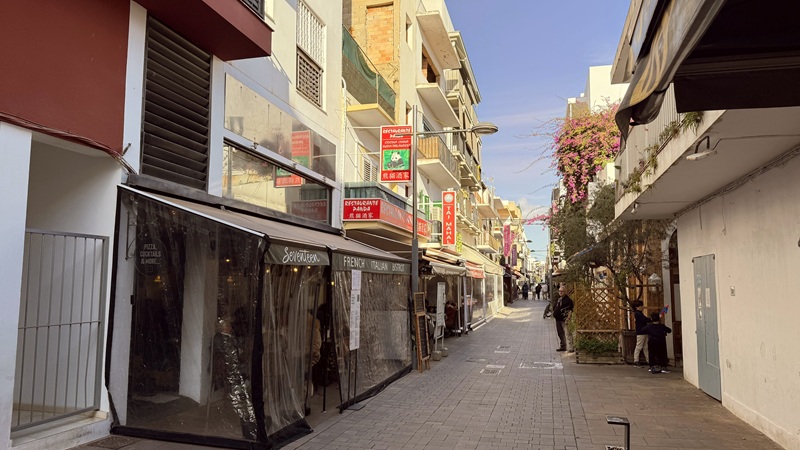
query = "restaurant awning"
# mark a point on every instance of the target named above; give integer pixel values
(443, 268)
(289, 244)
(477, 257)
(719, 54)
(663, 36)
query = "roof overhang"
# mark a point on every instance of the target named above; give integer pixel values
(369, 118)
(720, 54)
(739, 152)
(432, 26)
(225, 28)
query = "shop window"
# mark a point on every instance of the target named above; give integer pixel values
(252, 179)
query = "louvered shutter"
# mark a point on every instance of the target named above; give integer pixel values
(176, 108)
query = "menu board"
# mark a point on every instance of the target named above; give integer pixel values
(423, 346)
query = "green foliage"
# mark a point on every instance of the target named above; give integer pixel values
(595, 346)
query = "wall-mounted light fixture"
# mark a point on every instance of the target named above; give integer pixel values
(700, 155)
(635, 208)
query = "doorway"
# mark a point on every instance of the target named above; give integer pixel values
(707, 326)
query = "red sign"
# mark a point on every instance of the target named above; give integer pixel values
(311, 209)
(301, 149)
(396, 153)
(375, 209)
(506, 240)
(448, 218)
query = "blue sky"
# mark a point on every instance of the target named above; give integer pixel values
(528, 57)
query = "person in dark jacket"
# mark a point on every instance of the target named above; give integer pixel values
(562, 313)
(641, 335)
(538, 290)
(525, 290)
(657, 344)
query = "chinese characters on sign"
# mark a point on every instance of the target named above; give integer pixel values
(449, 218)
(396, 153)
(356, 209)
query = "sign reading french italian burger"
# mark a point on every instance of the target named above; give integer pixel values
(449, 218)
(396, 153)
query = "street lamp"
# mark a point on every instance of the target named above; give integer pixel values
(480, 129)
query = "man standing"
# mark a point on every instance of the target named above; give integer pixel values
(562, 313)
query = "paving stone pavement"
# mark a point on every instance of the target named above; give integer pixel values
(503, 386)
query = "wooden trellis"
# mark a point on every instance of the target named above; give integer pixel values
(598, 320)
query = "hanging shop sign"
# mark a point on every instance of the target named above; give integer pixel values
(506, 240)
(363, 264)
(396, 153)
(449, 218)
(296, 256)
(301, 150)
(376, 209)
(514, 255)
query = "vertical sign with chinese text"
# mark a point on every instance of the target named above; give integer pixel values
(506, 240)
(448, 218)
(396, 153)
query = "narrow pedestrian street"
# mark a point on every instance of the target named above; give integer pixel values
(503, 386)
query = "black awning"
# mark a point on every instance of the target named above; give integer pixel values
(667, 37)
(748, 58)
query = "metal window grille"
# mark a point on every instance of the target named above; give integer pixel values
(310, 34)
(310, 53)
(60, 334)
(256, 5)
(309, 78)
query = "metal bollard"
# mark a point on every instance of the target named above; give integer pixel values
(616, 420)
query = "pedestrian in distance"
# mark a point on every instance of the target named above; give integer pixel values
(538, 290)
(562, 312)
(525, 290)
(641, 336)
(657, 344)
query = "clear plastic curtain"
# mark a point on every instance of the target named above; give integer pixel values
(385, 337)
(291, 341)
(187, 289)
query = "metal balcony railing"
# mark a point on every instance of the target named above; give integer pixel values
(60, 334)
(453, 82)
(433, 147)
(643, 137)
(375, 190)
(364, 82)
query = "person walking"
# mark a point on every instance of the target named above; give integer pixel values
(562, 312)
(525, 290)
(641, 336)
(538, 290)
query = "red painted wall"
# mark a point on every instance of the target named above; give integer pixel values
(62, 65)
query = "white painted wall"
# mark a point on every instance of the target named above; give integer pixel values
(15, 153)
(599, 90)
(754, 234)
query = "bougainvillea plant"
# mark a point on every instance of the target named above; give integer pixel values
(581, 146)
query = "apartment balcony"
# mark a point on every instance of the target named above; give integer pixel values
(470, 173)
(432, 26)
(437, 105)
(467, 213)
(738, 142)
(453, 87)
(437, 162)
(376, 99)
(488, 244)
(486, 204)
(239, 30)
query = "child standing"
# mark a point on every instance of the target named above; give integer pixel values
(657, 344)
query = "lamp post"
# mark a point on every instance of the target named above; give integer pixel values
(481, 129)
